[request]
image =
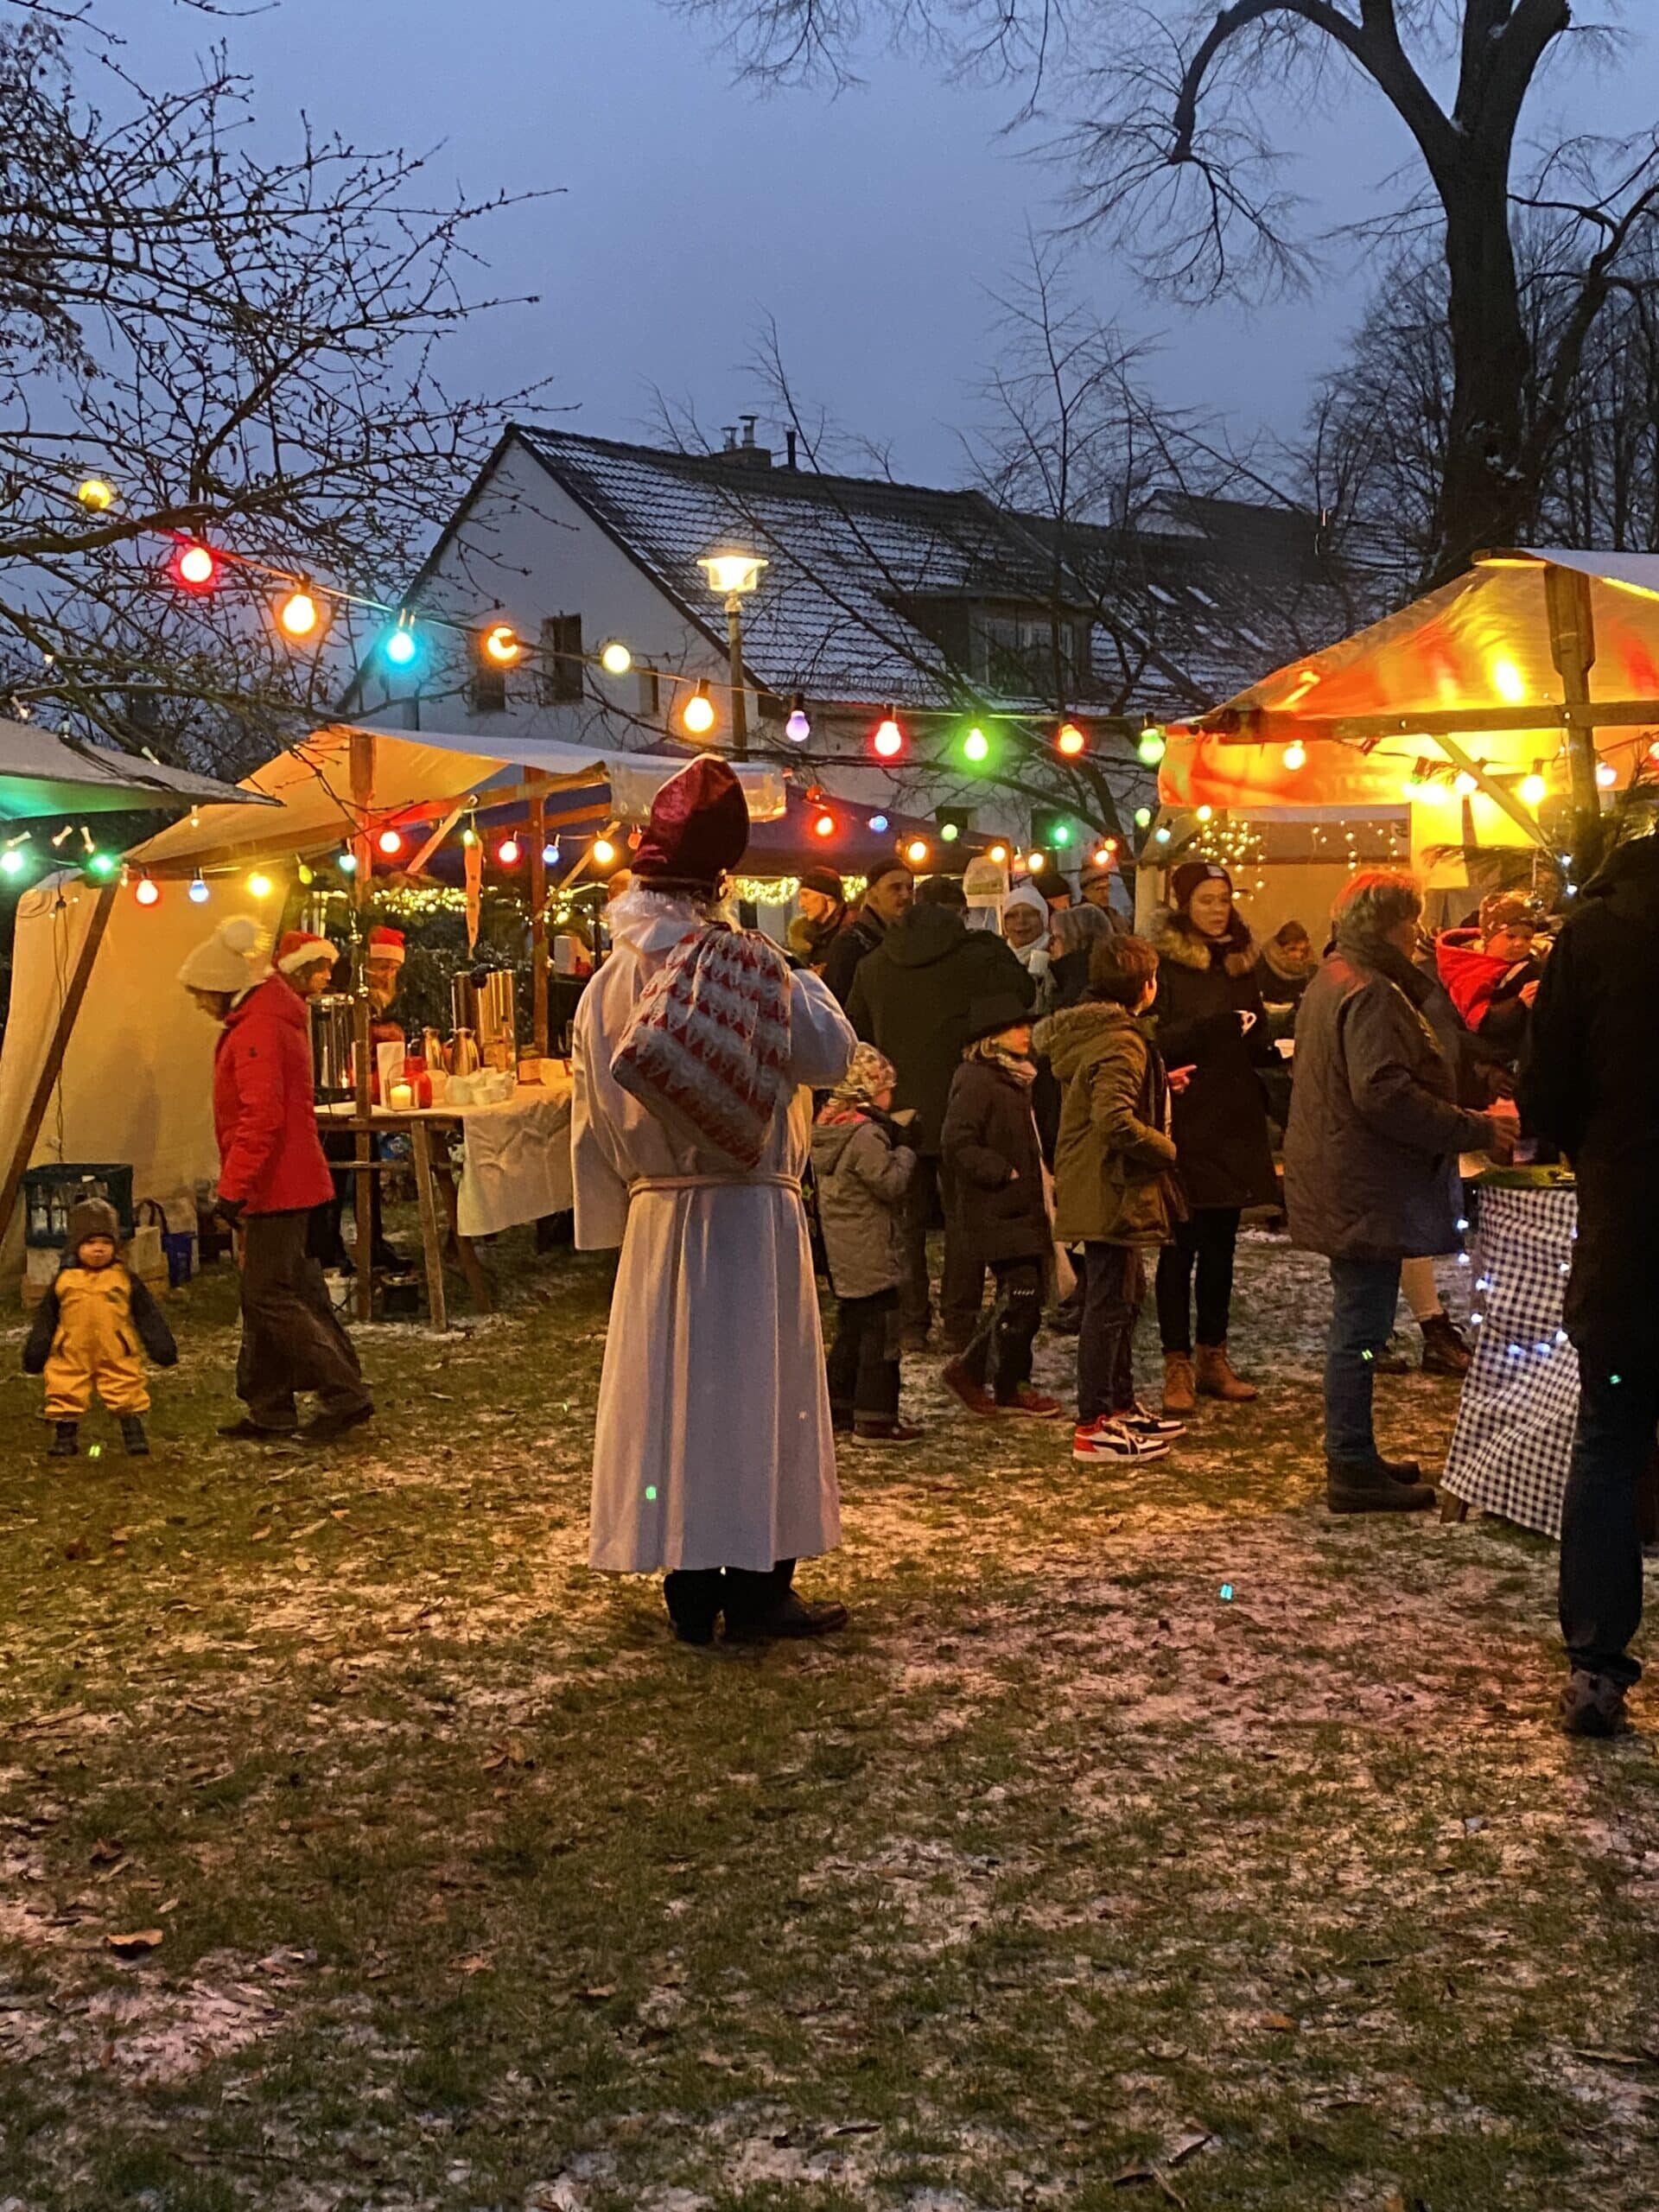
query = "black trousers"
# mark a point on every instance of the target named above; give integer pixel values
(1205, 1245)
(697, 1597)
(1114, 1287)
(962, 1287)
(1601, 1534)
(863, 1360)
(998, 1352)
(291, 1336)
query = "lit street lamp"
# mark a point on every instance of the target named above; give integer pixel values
(732, 575)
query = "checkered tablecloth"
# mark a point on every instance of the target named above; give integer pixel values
(1514, 1440)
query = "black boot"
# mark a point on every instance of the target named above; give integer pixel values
(1371, 1486)
(1445, 1350)
(133, 1436)
(66, 1439)
(693, 1597)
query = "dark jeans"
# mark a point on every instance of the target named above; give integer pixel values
(1363, 1295)
(696, 1596)
(961, 1286)
(1205, 1242)
(864, 1358)
(999, 1351)
(1113, 1285)
(1601, 1536)
(291, 1336)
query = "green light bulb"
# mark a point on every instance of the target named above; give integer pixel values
(976, 745)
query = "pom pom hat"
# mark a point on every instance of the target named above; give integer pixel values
(298, 948)
(232, 959)
(698, 830)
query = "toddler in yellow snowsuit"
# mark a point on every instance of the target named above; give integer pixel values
(86, 1334)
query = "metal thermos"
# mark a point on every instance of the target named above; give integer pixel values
(463, 1053)
(484, 1002)
(432, 1048)
(331, 1045)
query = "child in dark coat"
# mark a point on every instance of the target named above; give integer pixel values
(86, 1332)
(862, 1172)
(991, 1147)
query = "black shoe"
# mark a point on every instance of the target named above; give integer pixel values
(694, 1603)
(327, 1427)
(133, 1437)
(255, 1432)
(387, 1260)
(791, 1617)
(65, 1440)
(1592, 1705)
(1369, 1486)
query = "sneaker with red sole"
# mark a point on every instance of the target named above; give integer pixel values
(1107, 1438)
(1033, 1403)
(978, 1399)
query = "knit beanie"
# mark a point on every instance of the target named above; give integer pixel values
(232, 959)
(90, 1218)
(1184, 881)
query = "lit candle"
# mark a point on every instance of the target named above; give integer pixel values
(402, 1097)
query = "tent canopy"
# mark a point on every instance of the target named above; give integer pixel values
(417, 777)
(42, 773)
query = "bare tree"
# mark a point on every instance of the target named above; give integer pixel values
(244, 352)
(1189, 112)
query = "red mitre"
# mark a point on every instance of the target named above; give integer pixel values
(698, 830)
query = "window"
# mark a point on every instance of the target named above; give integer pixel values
(1016, 651)
(487, 692)
(649, 695)
(562, 672)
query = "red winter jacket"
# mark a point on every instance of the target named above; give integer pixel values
(1470, 973)
(265, 1105)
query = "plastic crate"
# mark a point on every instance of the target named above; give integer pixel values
(50, 1193)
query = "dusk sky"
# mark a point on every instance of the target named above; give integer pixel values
(873, 228)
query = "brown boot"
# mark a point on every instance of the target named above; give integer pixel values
(1217, 1380)
(1179, 1397)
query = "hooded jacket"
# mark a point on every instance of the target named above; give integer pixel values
(91, 1314)
(912, 999)
(860, 1175)
(1590, 1084)
(840, 956)
(265, 1105)
(1486, 992)
(1221, 1118)
(998, 1205)
(1114, 1158)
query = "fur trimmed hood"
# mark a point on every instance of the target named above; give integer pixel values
(1173, 938)
(1279, 963)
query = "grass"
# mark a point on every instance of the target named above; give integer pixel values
(1058, 1880)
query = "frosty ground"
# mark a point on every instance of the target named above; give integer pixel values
(445, 1878)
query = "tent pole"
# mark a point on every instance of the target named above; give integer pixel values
(1573, 649)
(52, 1067)
(362, 769)
(538, 917)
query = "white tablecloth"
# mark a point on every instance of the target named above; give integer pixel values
(517, 1165)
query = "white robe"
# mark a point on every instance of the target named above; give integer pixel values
(713, 1446)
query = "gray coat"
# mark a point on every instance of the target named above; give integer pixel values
(1371, 1151)
(861, 1177)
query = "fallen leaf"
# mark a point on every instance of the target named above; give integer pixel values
(596, 1995)
(134, 1945)
(105, 1854)
(1279, 2023)
(1187, 2146)
(171, 1905)
(478, 1963)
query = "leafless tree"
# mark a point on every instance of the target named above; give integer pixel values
(246, 351)
(1177, 121)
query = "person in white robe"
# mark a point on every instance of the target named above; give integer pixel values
(714, 1460)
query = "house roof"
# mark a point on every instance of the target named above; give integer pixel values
(1187, 609)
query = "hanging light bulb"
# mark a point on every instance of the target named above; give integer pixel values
(916, 852)
(1102, 855)
(614, 657)
(550, 856)
(196, 567)
(147, 892)
(1534, 789)
(400, 645)
(102, 865)
(888, 742)
(390, 843)
(307, 873)
(1206, 814)
(1294, 756)
(823, 824)
(697, 716)
(1607, 774)
(1152, 746)
(1142, 816)
(469, 836)
(507, 852)
(96, 494)
(604, 852)
(502, 644)
(1163, 837)
(976, 746)
(1000, 854)
(298, 614)
(1071, 741)
(798, 728)
(1465, 784)
(1036, 862)
(258, 885)
(878, 822)
(347, 862)
(197, 893)
(12, 862)
(950, 832)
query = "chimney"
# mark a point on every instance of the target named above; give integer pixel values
(791, 440)
(752, 455)
(731, 438)
(748, 423)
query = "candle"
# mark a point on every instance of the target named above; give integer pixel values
(402, 1097)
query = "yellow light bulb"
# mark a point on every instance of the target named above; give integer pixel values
(1466, 786)
(697, 716)
(96, 494)
(501, 644)
(1534, 789)
(1295, 755)
(259, 885)
(615, 659)
(916, 851)
(604, 852)
(298, 614)
(1508, 682)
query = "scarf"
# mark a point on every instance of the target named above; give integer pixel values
(706, 1050)
(854, 1098)
(1023, 1071)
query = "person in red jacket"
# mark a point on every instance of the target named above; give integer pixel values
(271, 1175)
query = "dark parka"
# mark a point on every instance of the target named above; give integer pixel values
(1221, 1118)
(1371, 1151)
(997, 1165)
(911, 999)
(1590, 1085)
(1113, 1160)
(857, 937)
(860, 1174)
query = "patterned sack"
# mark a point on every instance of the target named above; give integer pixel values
(707, 1049)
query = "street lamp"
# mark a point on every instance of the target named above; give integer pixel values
(732, 575)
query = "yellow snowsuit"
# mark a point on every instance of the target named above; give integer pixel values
(96, 1346)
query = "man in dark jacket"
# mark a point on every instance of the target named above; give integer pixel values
(1590, 1085)
(1371, 1163)
(887, 897)
(911, 999)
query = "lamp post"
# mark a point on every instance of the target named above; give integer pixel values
(732, 575)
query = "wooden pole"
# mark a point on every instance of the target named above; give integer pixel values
(539, 920)
(1573, 649)
(52, 1066)
(362, 770)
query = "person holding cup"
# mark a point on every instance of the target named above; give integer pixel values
(1213, 1034)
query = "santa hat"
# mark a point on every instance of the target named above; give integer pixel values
(698, 830)
(300, 949)
(232, 959)
(386, 947)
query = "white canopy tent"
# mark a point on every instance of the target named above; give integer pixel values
(43, 774)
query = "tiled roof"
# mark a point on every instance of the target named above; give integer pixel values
(1212, 597)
